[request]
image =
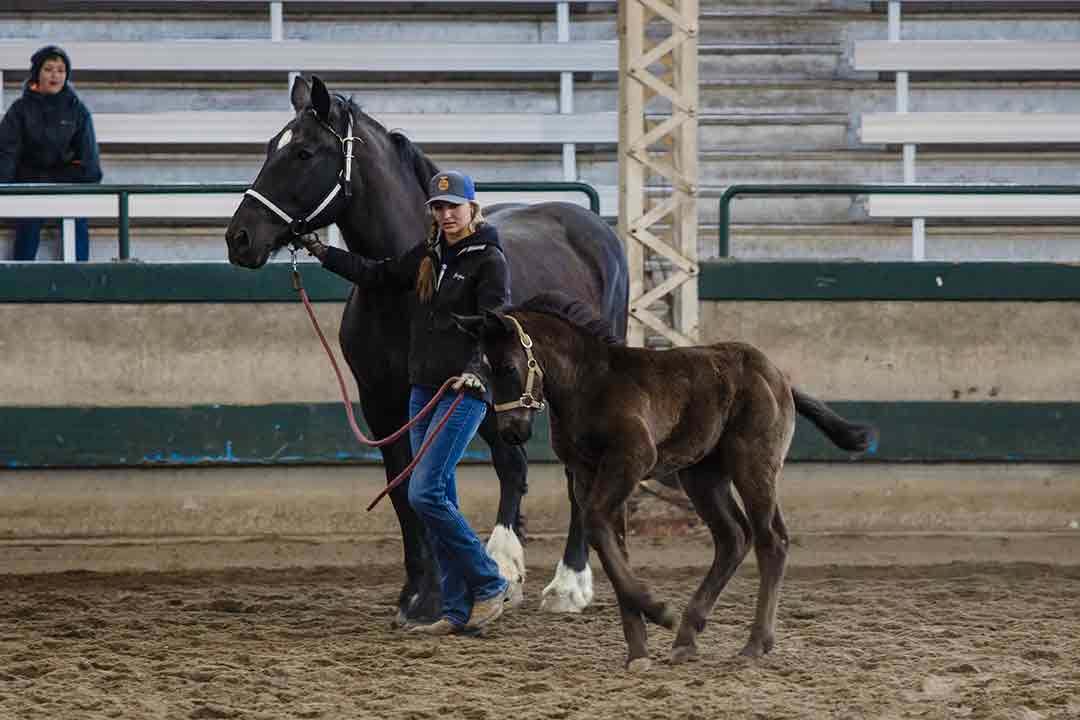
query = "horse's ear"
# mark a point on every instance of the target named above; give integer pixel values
(471, 325)
(320, 98)
(301, 94)
(496, 324)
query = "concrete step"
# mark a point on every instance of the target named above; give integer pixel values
(804, 61)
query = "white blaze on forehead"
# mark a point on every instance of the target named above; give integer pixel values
(284, 139)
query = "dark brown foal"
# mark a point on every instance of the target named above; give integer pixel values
(720, 416)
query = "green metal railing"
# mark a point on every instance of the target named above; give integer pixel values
(123, 195)
(736, 190)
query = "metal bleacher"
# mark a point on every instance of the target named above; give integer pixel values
(188, 132)
(909, 127)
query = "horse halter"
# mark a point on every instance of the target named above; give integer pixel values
(527, 400)
(302, 226)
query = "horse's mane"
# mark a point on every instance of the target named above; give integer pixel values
(408, 153)
(573, 311)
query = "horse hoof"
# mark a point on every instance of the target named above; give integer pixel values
(569, 592)
(668, 618)
(505, 549)
(515, 596)
(638, 665)
(682, 654)
(756, 649)
(399, 620)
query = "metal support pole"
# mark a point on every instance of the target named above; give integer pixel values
(67, 239)
(903, 95)
(566, 93)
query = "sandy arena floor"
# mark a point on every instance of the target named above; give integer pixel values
(915, 636)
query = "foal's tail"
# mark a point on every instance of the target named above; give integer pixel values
(845, 435)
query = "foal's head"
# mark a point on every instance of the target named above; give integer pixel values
(518, 390)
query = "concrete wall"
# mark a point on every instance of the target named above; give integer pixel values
(913, 350)
(117, 355)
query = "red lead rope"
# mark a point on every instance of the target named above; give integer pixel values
(404, 474)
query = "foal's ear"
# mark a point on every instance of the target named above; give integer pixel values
(496, 324)
(471, 325)
(301, 94)
(320, 98)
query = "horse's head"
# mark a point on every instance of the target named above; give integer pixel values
(304, 183)
(518, 391)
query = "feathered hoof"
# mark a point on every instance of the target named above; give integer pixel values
(568, 592)
(640, 665)
(515, 596)
(683, 654)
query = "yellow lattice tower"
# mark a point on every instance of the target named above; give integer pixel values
(659, 151)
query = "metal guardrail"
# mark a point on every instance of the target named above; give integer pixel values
(123, 194)
(733, 191)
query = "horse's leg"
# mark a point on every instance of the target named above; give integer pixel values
(615, 480)
(755, 477)
(504, 545)
(571, 590)
(633, 621)
(709, 489)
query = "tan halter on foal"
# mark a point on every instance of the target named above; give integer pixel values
(527, 400)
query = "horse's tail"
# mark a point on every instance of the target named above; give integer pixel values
(845, 435)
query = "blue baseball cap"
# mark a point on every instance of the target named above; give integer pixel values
(452, 187)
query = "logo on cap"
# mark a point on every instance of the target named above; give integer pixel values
(444, 184)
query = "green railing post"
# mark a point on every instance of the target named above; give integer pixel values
(123, 231)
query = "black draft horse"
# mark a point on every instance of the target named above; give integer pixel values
(720, 416)
(334, 164)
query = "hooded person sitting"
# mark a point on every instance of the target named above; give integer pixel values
(47, 136)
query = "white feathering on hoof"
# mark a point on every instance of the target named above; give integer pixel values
(569, 591)
(505, 549)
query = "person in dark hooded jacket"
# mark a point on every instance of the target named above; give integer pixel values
(47, 136)
(460, 269)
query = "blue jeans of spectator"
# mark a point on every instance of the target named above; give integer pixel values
(28, 237)
(466, 571)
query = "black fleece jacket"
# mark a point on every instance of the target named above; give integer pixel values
(48, 138)
(472, 276)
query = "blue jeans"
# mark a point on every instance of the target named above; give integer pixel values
(28, 237)
(466, 571)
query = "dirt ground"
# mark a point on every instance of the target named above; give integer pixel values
(902, 626)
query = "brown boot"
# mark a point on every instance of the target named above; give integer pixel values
(485, 612)
(439, 627)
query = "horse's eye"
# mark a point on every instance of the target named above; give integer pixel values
(304, 154)
(504, 370)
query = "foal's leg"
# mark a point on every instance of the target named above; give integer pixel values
(616, 479)
(756, 483)
(504, 545)
(633, 621)
(571, 590)
(710, 491)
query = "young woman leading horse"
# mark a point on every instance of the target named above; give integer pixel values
(334, 164)
(460, 268)
(720, 416)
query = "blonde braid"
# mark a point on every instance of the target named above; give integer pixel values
(425, 279)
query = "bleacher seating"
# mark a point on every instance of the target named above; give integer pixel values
(204, 133)
(989, 58)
